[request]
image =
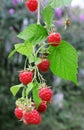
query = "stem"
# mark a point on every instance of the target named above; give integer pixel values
(24, 91)
(39, 50)
(38, 17)
(25, 64)
(34, 78)
(40, 77)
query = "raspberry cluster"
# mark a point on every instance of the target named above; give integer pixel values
(44, 42)
(27, 111)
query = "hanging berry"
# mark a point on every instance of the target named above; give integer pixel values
(44, 65)
(42, 107)
(32, 5)
(32, 117)
(26, 77)
(45, 94)
(54, 39)
(18, 113)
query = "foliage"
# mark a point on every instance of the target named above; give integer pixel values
(48, 14)
(60, 3)
(63, 61)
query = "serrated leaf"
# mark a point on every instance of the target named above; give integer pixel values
(36, 98)
(34, 33)
(15, 89)
(12, 53)
(48, 14)
(59, 3)
(24, 49)
(64, 61)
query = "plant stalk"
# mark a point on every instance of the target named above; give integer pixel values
(38, 16)
(39, 50)
(25, 64)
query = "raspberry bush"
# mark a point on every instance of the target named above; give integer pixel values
(44, 49)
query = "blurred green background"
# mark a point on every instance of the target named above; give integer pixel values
(66, 112)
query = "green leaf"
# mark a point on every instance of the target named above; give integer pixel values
(64, 61)
(31, 59)
(48, 14)
(12, 53)
(34, 33)
(15, 89)
(28, 89)
(36, 97)
(59, 3)
(24, 49)
(34, 59)
(38, 60)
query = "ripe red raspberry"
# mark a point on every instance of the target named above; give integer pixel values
(54, 39)
(18, 113)
(42, 107)
(45, 94)
(32, 5)
(26, 77)
(44, 65)
(32, 117)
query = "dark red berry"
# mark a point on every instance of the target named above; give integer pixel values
(54, 39)
(18, 113)
(26, 77)
(42, 107)
(32, 117)
(45, 94)
(44, 65)
(32, 5)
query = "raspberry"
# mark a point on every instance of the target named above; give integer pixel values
(54, 39)
(42, 107)
(45, 94)
(32, 5)
(44, 65)
(32, 117)
(25, 77)
(18, 113)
